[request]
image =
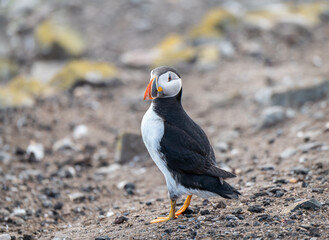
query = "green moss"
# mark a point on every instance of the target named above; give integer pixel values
(173, 50)
(12, 97)
(52, 36)
(7, 69)
(82, 70)
(212, 23)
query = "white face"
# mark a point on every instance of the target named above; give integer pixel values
(169, 85)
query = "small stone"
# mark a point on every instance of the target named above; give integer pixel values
(35, 151)
(64, 144)
(77, 197)
(267, 168)
(231, 217)
(220, 204)
(288, 152)
(278, 194)
(28, 237)
(300, 170)
(80, 131)
(51, 192)
(256, 209)
(271, 116)
(5, 237)
(103, 238)
(47, 203)
(222, 146)
(121, 219)
(149, 203)
(67, 172)
(181, 226)
(19, 212)
(205, 212)
(237, 211)
(305, 204)
(130, 188)
(5, 157)
(62, 238)
(108, 170)
(318, 190)
(309, 146)
(205, 202)
(168, 230)
(201, 218)
(58, 206)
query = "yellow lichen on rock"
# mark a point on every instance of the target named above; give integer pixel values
(208, 54)
(50, 35)
(173, 50)
(30, 86)
(78, 70)
(211, 24)
(12, 97)
(310, 12)
(7, 69)
(305, 13)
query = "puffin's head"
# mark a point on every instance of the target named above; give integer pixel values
(165, 82)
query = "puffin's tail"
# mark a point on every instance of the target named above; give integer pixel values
(227, 191)
(211, 184)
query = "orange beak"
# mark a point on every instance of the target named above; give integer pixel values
(148, 91)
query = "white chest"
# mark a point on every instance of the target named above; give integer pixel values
(152, 133)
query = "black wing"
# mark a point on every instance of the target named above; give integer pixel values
(187, 150)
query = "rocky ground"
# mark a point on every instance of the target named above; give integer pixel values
(72, 164)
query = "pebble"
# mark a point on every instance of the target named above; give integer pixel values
(103, 238)
(35, 152)
(256, 209)
(28, 237)
(300, 170)
(80, 131)
(130, 188)
(271, 116)
(58, 206)
(309, 146)
(19, 212)
(220, 204)
(318, 190)
(181, 226)
(108, 169)
(62, 238)
(67, 172)
(288, 152)
(267, 168)
(305, 204)
(204, 212)
(51, 192)
(237, 211)
(77, 197)
(64, 144)
(231, 217)
(121, 219)
(5, 237)
(222, 146)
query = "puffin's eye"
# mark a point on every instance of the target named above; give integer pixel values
(169, 78)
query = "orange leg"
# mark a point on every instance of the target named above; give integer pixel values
(185, 206)
(171, 215)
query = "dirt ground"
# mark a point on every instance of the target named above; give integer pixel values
(43, 188)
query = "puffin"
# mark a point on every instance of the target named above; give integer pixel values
(178, 146)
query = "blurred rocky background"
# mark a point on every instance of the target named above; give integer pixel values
(72, 78)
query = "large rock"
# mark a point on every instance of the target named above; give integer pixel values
(173, 50)
(80, 72)
(129, 147)
(57, 41)
(293, 96)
